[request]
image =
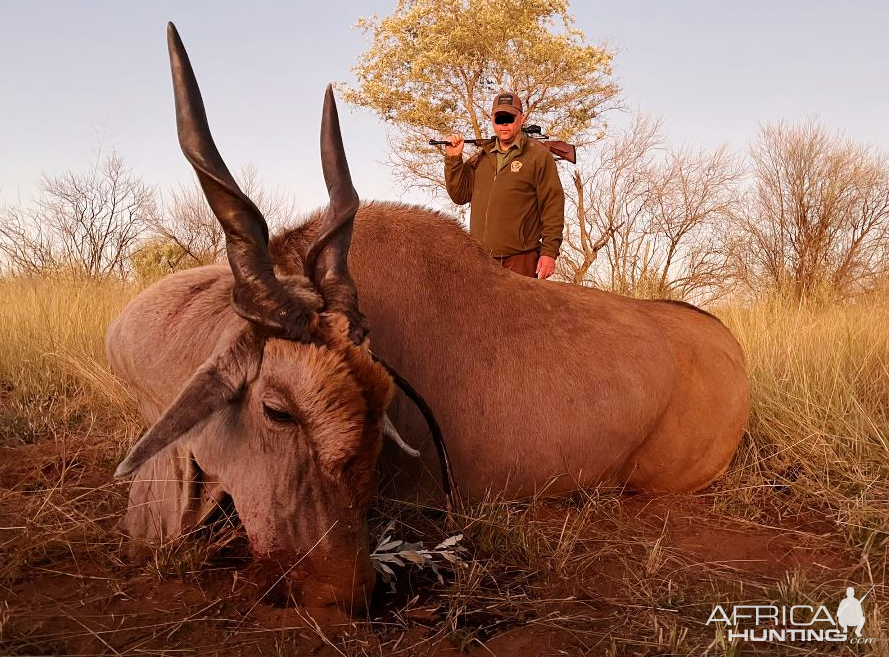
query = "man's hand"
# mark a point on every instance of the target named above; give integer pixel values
(545, 266)
(456, 147)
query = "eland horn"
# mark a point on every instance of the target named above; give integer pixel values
(326, 261)
(257, 295)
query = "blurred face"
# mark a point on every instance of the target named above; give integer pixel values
(507, 127)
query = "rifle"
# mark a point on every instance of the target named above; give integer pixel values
(561, 150)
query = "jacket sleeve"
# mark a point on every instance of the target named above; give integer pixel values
(551, 204)
(459, 177)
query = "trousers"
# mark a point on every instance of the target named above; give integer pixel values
(521, 263)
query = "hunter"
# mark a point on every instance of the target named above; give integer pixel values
(518, 204)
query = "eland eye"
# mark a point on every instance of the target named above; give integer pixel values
(276, 415)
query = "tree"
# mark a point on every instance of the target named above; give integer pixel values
(817, 217)
(435, 65)
(657, 214)
(85, 224)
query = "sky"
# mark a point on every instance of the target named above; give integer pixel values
(75, 75)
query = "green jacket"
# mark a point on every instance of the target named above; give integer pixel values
(517, 209)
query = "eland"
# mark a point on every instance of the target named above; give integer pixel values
(258, 383)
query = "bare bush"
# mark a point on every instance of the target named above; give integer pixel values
(189, 226)
(24, 244)
(816, 219)
(654, 213)
(82, 224)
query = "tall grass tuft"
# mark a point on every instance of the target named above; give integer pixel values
(818, 442)
(53, 373)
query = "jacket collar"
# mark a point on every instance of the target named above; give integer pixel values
(521, 142)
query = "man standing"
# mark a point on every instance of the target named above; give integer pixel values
(518, 206)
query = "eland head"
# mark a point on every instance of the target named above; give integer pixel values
(286, 414)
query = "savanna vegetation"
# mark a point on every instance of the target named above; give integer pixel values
(802, 512)
(785, 243)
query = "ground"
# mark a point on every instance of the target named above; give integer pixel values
(599, 574)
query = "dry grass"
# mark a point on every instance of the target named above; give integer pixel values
(595, 574)
(819, 435)
(53, 375)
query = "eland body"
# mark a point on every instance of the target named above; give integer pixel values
(258, 383)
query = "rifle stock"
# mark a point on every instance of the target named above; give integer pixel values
(561, 150)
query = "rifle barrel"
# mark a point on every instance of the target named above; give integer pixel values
(559, 149)
(473, 142)
(530, 130)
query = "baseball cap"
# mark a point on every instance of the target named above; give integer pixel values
(506, 101)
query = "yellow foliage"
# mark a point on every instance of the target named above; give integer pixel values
(157, 258)
(437, 64)
(434, 66)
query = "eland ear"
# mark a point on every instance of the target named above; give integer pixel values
(217, 382)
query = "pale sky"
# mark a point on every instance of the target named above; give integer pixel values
(714, 71)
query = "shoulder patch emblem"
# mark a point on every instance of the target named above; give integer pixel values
(515, 166)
